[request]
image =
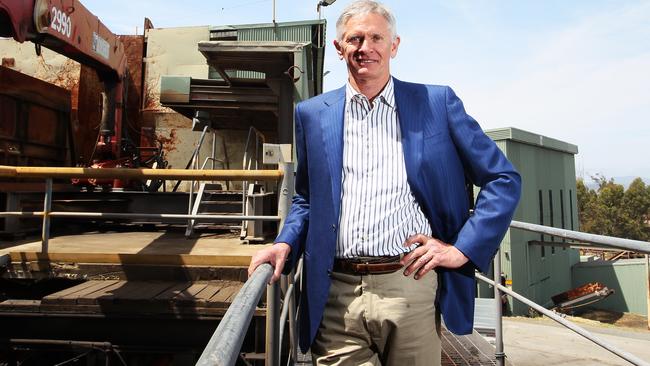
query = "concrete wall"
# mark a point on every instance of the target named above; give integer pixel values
(627, 277)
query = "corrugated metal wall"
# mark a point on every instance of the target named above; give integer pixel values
(295, 32)
(536, 272)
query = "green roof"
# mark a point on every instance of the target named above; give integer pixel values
(515, 134)
(267, 25)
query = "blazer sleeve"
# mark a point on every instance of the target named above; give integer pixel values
(499, 182)
(295, 226)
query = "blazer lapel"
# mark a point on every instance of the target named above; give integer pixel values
(331, 119)
(410, 112)
(414, 112)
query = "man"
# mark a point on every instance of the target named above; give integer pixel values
(381, 201)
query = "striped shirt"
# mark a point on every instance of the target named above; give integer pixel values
(378, 209)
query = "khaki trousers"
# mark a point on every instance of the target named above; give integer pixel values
(383, 319)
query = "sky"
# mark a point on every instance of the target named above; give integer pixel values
(577, 71)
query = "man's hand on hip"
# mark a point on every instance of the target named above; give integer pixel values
(429, 254)
(276, 255)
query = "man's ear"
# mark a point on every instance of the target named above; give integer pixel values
(394, 46)
(339, 48)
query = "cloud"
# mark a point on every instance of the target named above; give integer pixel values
(588, 84)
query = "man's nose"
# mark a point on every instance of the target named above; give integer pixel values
(364, 46)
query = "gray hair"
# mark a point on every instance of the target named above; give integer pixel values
(365, 7)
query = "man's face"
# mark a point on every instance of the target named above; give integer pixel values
(367, 47)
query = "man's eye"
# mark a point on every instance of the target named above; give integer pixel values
(377, 38)
(354, 40)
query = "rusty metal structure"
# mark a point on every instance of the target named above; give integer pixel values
(36, 121)
(68, 28)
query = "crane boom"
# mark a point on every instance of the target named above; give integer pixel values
(68, 28)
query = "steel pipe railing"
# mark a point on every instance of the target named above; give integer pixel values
(143, 174)
(50, 173)
(602, 240)
(118, 215)
(225, 343)
(581, 331)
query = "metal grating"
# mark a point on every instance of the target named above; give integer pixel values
(469, 350)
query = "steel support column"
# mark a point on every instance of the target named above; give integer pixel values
(47, 207)
(499, 355)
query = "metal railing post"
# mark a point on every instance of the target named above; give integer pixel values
(499, 355)
(293, 330)
(647, 275)
(47, 208)
(272, 328)
(567, 324)
(286, 192)
(273, 291)
(225, 344)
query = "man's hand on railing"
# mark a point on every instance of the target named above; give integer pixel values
(276, 255)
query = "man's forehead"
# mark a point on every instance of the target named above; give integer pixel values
(368, 23)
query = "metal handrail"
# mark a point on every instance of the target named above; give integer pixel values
(602, 240)
(225, 343)
(193, 208)
(567, 324)
(228, 338)
(227, 351)
(500, 355)
(246, 164)
(136, 173)
(49, 173)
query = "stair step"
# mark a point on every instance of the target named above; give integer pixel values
(230, 203)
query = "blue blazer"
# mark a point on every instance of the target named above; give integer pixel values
(443, 147)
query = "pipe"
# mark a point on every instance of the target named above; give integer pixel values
(499, 355)
(57, 342)
(606, 241)
(622, 354)
(47, 208)
(272, 322)
(117, 215)
(225, 343)
(131, 173)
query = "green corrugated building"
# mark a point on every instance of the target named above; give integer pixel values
(533, 266)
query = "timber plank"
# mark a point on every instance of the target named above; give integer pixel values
(79, 291)
(68, 291)
(172, 292)
(93, 297)
(224, 297)
(19, 305)
(188, 295)
(203, 297)
(143, 290)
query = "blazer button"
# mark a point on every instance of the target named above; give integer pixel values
(333, 227)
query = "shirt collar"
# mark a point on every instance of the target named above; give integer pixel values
(387, 96)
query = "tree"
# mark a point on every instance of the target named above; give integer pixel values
(611, 210)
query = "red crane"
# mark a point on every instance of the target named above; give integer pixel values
(68, 28)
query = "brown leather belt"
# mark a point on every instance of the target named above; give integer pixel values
(367, 265)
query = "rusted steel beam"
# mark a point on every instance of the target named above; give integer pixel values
(143, 174)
